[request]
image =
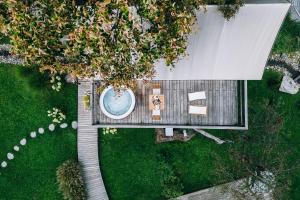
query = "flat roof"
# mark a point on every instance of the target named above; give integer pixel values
(237, 49)
(226, 103)
(265, 1)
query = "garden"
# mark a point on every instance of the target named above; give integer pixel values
(134, 167)
(26, 96)
(38, 110)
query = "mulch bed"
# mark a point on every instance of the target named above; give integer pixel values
(178, 135)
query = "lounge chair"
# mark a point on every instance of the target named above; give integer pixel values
(197, 96)
(156, 114)
(197, 110)
(156, 88)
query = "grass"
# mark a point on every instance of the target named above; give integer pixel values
(289, 108)
(288, 39)
(130, 161)
(25, 99)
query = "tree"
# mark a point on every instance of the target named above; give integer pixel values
(118, 40)
(261, 156)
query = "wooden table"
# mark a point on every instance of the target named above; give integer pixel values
(162, 101)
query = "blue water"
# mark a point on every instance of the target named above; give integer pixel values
(117, 103)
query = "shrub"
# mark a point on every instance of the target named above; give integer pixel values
(274, 81)
(70, 181)
(170, 183)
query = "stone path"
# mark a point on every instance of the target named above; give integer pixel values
(87, 146)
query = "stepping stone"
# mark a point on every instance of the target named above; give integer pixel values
(41, 131)
(10, 156)
(74, 125)
(33, 134)
(16, 148)
(23, 141)
(51, 127)
(64, 125)
(3, 164)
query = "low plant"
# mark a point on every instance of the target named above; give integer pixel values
(56, 115)
(86, 101)
(56, 83)
(109, 131)
(70, 181)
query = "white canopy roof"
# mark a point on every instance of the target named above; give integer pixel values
(229, 50)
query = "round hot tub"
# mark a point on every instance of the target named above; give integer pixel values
(117, 104)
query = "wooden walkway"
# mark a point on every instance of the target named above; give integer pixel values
(87, 146)
(223, 105)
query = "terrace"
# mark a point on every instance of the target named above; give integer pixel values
(226, 102)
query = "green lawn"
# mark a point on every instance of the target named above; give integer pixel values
(289, 108)
(131, 163)
(131, 160)
(25, 98)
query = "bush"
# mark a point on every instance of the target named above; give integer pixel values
(274, 81)
(70, 181)
(170, 183)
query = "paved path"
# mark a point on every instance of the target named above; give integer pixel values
(87, 146)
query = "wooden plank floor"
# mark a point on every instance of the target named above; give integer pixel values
(221, 102)
(87, 146)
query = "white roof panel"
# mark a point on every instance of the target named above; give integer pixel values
(229, 50)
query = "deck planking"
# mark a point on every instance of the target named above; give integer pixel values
(222, 104)
(87, 146)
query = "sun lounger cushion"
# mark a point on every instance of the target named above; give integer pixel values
(198, 110)
(156, 90)
(156, 112)
(197, 95)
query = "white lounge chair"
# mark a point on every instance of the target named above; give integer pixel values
(197, 95)
(197, 110)
(169, 132)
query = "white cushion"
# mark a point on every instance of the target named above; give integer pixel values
(198, 110)
(155, 112)
(197, 95)
(156, 91)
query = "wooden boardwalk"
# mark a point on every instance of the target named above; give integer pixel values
(87, 146)
(223, 105)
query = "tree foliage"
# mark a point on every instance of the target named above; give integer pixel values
(261, 150)
(229, 8)
(70, 181)
(117, 40)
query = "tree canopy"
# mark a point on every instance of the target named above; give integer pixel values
(117, 40)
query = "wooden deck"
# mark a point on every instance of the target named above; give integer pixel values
(87, 146)
(226, 106)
